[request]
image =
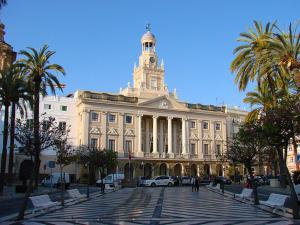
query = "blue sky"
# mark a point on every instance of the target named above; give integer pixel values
(97, 42)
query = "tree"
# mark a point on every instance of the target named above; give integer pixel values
(244, 149)
(64, 156)
(20, 96)
(97, 159)
(39, 72)
(12, 86)
(25, 135)
(249, 64)
(280, 125)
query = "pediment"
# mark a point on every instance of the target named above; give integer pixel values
(206, 137)
(193, 136)
(112, 131)
(218, 137)
(163, 102)
(95, 130)
(129, 132)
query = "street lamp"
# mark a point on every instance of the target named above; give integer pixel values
(142, 164)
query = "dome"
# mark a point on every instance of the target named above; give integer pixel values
(148, 37)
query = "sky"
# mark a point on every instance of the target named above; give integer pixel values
(97, 41)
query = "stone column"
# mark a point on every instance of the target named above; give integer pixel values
(198, 170)
(155, 134)
(161, 136)
(183, 135)
(121, 133)
(174, 129)
(147, 144)
(104, 129)
(139, 116)
(199, 145)
(85, 126)
(170, 134)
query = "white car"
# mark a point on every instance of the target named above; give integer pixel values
(159, 181)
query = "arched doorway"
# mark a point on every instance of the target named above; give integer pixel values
(148, 170)
(177, 170)
(128, 175)
(206, 169)
(219, 170)
(193, 170)
(163, 170)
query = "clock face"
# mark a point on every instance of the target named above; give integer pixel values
(152, 59)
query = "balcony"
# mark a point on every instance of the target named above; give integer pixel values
(207, 157)
(193, 156)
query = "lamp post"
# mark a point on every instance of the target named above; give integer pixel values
(88, 181)
(142, 164)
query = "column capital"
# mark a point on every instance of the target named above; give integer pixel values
(121, 113)
(155, 116)
(139, 114)
(170, 117)
(184, 118)
(104, 113)
(86, 110)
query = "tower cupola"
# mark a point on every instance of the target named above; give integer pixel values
(148, 40)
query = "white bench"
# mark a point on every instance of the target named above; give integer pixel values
(108, 187)
(246, 193)
(74, 193)
(42, 202)
(218, 187)
(211, 184)
(275, 201)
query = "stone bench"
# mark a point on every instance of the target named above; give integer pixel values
(275, 201)
(74, 193)
(246, 193)
(42, 202)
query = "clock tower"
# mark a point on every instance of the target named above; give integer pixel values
(148, 76)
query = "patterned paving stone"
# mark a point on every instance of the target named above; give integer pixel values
(156, 206)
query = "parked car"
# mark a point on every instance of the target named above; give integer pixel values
(160, 181)
(141, 181)
(111, 178)
(220, 179)
(186, 180)
(54, 180)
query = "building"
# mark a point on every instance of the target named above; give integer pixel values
(162, 134)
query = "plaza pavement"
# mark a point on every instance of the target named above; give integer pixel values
(175, 205)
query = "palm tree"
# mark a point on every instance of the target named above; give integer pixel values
(262, 99)
(39, 73)
(7, 79)
(250, 56)
(19, 97)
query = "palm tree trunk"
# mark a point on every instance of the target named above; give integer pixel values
(295, 152)
(4, 150)
(36, 112)
(62, 187)
(12, 143)
(294, 197)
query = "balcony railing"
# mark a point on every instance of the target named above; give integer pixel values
(206, 157)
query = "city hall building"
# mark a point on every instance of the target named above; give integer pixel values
(148, 124)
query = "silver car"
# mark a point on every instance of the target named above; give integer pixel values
(159, 181)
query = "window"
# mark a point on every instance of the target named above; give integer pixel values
(290, 148)
(218, 126)
(62, 126)
(46, 125)
(95, 117)
(193, 124)
(193, 148)
(128, 146)
(64, 108)
(47, 106)
(111, 118)
(29, 123)
(218, 149)
(112, 144)
(128, 119)
(94, 143)
(205, 150)
(153, 84)
(205, 125)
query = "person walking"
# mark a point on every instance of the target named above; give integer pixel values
(193, 183)
(197, 184)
